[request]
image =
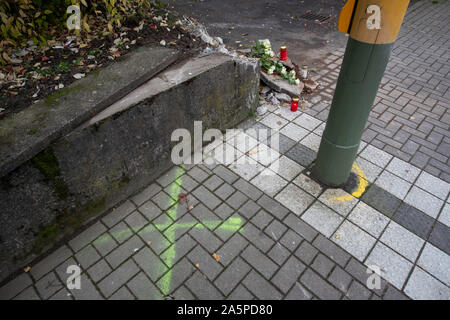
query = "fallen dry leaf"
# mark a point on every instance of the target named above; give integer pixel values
(279, 123)
(197, 265)
(215, 256)
(27, 269)
(253, 151)
(191, 207)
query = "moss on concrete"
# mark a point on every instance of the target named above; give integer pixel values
(52, 98)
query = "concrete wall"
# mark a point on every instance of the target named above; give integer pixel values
(112, 156)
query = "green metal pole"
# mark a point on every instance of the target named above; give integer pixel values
(364, 63)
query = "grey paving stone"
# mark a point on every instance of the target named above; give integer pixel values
(163, 200)
(340, 279)
(256, 237)
(298, 292)
(143, 289)
(291, 240)
(259, 261)
(322, 265)
(394, 294)
(318, 286)
(375, 155)
(237, 200)
(208, 198)
(381, 200)
(226, 174)
(105, 244)
(261, 219)
(249, 209)
(181, 247)
(99, 270)
(118, 213)
(306, 252)
(48, 285)
(87, 291)
(358, 292)
(206, 238)
(273, 207)
(393, 184)
(62, 294)
(205, 216)
(146, 194)
(333, 198)
(284, 143)
(331, 250)
(288, 274)
(61, 270)
(125, 251)
(198, 174)
(224, 191)
(275, 230)
(182, 293)
(286, 168)
(13, 287)
(309, 185)
(187, 183)
(87, 236)
(205, 262)
(87, 257)
(299, 226)
(150, 263)
(260, 287)
(122, 294)
(202, 288)
(403, 169)
(229, 227)
(302, 155)
(150, 210)
(294, 198)
(359, 271)
(424, 201)
(422, 286)
(444, 216)
(50, 262)
(278, 253)
(175, 277)
(136, 221)
(414, 220)
(354, 240)
(436, 262)
(224, 211)
(232, 248)
(240, 293)
(433, 185)
(213, 182)
(28, 294)
(247, 189)
(269, 182)
(232, 275)
(394, 268)
(168, 177)
(154, 238)
(121, 232)
(440, 237)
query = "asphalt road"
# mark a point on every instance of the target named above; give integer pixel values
(241, 22)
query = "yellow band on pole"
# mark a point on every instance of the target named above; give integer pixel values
(378, 21)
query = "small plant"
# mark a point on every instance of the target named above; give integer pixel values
(62, 67)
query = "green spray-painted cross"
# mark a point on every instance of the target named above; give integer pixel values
(232, 224)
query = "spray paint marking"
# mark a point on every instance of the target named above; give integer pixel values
(232, 224)
(362, 185)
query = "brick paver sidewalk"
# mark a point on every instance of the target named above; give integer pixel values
(264, 229)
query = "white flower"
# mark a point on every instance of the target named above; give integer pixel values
(297, 82)
(269, 53)
(283, 71)
(292, 74)
(265, 43)
(271, 70)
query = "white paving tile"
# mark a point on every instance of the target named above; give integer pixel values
(403, 241)
(246, 167)
(311, 141)
(403, 169)
(294, 198)
(322, 218)
(368, 219)
(393, 184)
(225, 154)
(433, 185)
(307, 122)
(354, 240)
(286, 113)
(294, 132)
(422, 286)
(435, 262)
(339, 200)
(369, 170)
(309, 185)
(394, 268)
(243, 142)
(424, 201)
(286, 168)
(274, 122)
(264, 154)
(376, 156)
(269, 182)
(444, 217)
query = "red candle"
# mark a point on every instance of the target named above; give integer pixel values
(294, 104)
(283, 53)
